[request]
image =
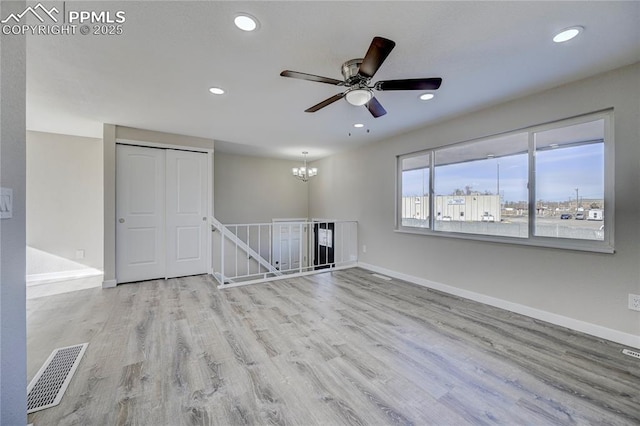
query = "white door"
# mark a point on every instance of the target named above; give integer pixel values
(161, 213)
(289, 245)
(186, 213)
(140, 213)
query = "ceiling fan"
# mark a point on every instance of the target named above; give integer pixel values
(357, 75)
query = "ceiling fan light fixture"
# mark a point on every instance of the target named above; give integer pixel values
(426, 96)
(245, 22)
(357, 75)
(567, 34)
(359, 97)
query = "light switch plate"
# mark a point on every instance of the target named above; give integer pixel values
(6, 203)
(634, 302)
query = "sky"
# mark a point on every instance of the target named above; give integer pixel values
(559, 172)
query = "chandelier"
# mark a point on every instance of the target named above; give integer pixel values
(304, 173)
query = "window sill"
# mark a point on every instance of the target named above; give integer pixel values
(560, 244)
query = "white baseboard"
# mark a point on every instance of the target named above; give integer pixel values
(109, 283)
(66, 286)
(37, 279)
(626, 339)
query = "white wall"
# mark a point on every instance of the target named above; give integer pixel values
(583, 287)
(64, 196)
(13, 323)
(256, 189)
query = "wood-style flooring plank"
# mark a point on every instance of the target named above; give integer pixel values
(339, 348)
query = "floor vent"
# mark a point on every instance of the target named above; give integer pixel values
(382, 277)
(629, 352)
(51, 381)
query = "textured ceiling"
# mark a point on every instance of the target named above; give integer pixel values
(156, 74)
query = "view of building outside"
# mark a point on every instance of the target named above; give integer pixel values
(482, 187)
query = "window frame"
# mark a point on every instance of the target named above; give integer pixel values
(398, 210)
(600, 246)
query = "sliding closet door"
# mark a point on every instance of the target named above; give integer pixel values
(140, 213)
(186, 213)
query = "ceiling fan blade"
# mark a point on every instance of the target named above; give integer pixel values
(377, 53)
(311, 77)
(409, 84)
(375, 108)
(324, 103)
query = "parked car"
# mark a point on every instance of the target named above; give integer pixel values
(565, 216)
(579, 216)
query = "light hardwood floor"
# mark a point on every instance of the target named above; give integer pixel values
(340, 348)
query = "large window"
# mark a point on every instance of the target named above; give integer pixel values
(547, 185)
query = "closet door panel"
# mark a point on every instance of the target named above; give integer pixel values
(186, 213)
(140, 213)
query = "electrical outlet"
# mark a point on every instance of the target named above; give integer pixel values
(634, 302)
(364, 248)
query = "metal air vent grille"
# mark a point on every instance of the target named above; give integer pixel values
(49, 384)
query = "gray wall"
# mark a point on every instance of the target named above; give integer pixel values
(13, 323)
(256, 189)
(588, 287)
(109, 204)
(64, 196)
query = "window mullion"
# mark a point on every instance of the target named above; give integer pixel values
(531, 185)
(609, 174)
(432, 197)
(399, 189)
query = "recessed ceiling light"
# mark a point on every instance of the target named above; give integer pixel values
(567, 34)
(216, 90)
(246, 22)
(426, 96)
(358, 125)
